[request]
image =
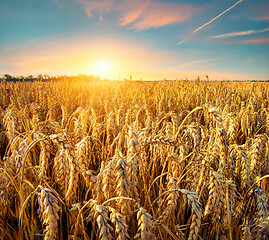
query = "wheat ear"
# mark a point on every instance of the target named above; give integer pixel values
(49, 213)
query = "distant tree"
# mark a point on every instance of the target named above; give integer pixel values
(30, 78)
(8, 77)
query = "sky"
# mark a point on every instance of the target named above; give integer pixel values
(148, 39)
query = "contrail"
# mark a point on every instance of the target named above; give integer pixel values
(234, 34)
(212, 20)
(182, 41)
(217, 16)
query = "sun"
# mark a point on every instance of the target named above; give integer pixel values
(102, 68)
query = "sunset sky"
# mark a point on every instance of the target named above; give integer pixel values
(149, 39)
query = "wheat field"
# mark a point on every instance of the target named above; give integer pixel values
(134, 160)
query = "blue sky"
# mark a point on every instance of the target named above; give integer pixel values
(145, 38)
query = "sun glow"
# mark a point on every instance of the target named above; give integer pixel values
(102, 68)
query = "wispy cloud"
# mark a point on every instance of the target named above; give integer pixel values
(100, 6)
(242, 33)
(262, 12)
(200, 61)
(141, 14)
(251, 41)
(266, 17)
(133, 14)
(157, 14)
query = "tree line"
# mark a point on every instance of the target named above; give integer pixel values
(31, 78)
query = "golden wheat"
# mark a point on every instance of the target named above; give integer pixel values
(134, 160)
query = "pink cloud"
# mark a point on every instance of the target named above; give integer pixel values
(263, 18)
(262, 12)
(258, 40)
(141, 14)
(251, 41)
(157, 14)
(134, 13)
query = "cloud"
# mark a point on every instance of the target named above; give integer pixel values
(242, 33)
(141, 14)
(200, 61)
(157, 14)
(100, 6)
(133, 14)
(251, 41)
(262, 12)
(266, 18)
